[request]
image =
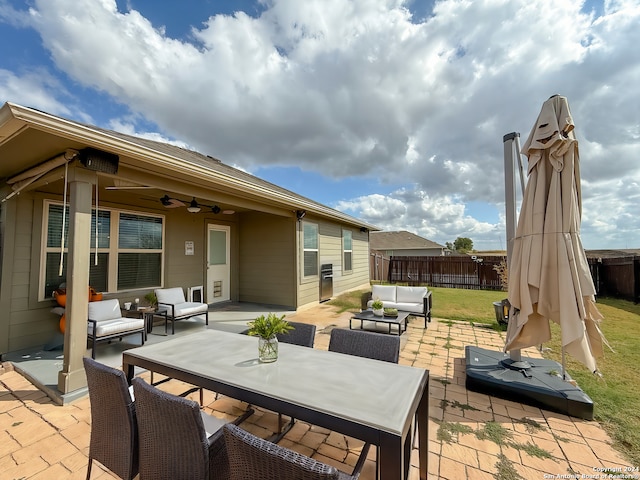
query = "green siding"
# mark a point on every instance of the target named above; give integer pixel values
(267, 261)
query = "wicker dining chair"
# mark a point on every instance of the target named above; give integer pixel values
(114, 432)
(303, 334)
(253, 458)
(361, 343)
(177, 440)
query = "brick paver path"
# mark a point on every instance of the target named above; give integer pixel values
(472, 435)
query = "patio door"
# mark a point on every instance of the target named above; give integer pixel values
(218, 269)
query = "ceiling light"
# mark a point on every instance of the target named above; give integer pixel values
(193, 206)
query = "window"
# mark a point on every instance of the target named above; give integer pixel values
(133, 261)
(310, 247)
(347, 250)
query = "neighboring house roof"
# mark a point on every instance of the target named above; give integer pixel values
(401, 240)
(151, 156)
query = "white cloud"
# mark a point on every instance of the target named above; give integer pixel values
(359, 88)
(440, 219)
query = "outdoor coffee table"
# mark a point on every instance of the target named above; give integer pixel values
(399, 320)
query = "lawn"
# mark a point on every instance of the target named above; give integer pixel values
(615, 396)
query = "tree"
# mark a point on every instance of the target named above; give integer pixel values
(461, 244)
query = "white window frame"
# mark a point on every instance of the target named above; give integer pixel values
(316, 250)
(346, 250)
(113, 250)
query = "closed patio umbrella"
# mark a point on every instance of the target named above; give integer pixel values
(549, 276)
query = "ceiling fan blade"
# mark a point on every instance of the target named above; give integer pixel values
(174, 203)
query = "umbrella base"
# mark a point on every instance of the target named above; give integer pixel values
(490, 372)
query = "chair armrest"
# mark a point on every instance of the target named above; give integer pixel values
(170, 306)
(94, 327)
(428, 305)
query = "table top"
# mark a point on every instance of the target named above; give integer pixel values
(377, 394)
(368, 315)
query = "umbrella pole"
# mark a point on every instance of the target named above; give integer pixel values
(511, 142)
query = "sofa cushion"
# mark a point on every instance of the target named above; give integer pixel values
(104, 310)
(185, 309)
(170, 296)
(411, 295)
(118, 325)
(410, 307)
(386, 293)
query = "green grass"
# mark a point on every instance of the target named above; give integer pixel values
(615, 397)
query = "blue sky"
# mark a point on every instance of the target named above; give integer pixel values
(392, 111)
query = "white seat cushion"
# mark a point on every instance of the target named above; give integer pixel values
(119, 325)
(104, 310)
(384, 292)
(410, 307)
(189, 308)
(211, 423)
(170, 296)
(410, 294)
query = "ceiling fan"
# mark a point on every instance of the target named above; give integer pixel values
(169, 202)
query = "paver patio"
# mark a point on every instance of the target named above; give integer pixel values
(471, 435)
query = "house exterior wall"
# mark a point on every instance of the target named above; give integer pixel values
(266, 264)
(331, 251)
(185, 271)
(27, 322)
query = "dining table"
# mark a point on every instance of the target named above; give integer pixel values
(373, 401)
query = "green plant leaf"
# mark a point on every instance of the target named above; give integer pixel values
(269, 326)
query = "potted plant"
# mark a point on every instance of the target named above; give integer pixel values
(377, 307)
(266, 329)
(151, 299)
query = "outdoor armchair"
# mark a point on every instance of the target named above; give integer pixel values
(107, 323)
(253, 458)
(114, 430)
(172, 300)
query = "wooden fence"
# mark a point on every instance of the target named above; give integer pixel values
(454, 272)
(613, 277)
(378, 267)
(617, 277)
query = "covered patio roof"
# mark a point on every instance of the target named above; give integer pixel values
(146, 168)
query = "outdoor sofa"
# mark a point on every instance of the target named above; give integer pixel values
(416, 300)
